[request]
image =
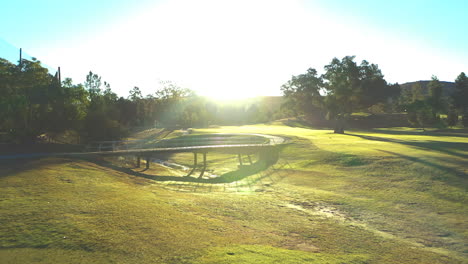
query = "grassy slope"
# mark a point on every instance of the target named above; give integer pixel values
(390, 196)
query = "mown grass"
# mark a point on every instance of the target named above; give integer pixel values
(381, 196)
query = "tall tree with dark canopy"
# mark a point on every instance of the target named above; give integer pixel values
(93, 84)
(303, 92)
(435, 99)
(103, 121)
(344, 88)
(351, 87)
(417, 92)
(460, 97)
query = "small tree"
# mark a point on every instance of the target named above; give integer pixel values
(135, 94)
(93, 84)
(417, 92)
(420, 114)
(435, 99)
(452, 117)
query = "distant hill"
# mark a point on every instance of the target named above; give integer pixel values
(270, 103)
(448, 88)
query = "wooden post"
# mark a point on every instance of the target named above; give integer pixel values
(138, 161)
(240, 159)
(21, 56)
(194, 163)
(204, 165)
(147, 162)
(250, 160)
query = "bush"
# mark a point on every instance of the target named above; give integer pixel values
(465, 120)
(452, 118)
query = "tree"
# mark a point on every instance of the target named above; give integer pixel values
(420, 113)
(104, 120)
(452, 116)
(33, 101)
(405, 99)
(11, 98)
(135, 94)
(36, 90)
(460, 97)
(345, 87)
(171, 100)
(435, 99)
(417, 92)
(171, 91)
(76, 104)
(416, 104)
(351, 87)
(93, 84)
(303, 92)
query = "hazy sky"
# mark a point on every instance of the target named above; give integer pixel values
(235, 48)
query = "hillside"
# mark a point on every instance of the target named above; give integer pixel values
(448, 88)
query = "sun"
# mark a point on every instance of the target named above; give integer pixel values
(229, 96)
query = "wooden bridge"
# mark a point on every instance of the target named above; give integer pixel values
(240, 144)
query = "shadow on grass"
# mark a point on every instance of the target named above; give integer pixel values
(454, 171)
(20, 165)
(439, 132)
(440, 146)
(265, 161)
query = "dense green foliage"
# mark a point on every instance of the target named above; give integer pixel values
(425, 107)
(460, 97)
(33, 102)
(344, 88)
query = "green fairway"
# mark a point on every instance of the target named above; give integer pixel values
(379, 196)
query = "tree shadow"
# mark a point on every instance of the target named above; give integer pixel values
(460, 175)
(7, 167)
(439, 132)
(450, 170)
(433, 145)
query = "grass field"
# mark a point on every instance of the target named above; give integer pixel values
(378, 196)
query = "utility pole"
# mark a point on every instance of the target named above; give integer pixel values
(21, 56)
(59, 77)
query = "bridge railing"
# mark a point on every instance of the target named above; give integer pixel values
(185, 141)
(210, 141)
(114, 145)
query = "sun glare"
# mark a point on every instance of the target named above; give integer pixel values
(230, 53)
(242, 49)
(228, 96)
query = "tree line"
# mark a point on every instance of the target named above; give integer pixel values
(347, 87)
(33, 102)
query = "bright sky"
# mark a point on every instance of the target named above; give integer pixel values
(235, 48)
